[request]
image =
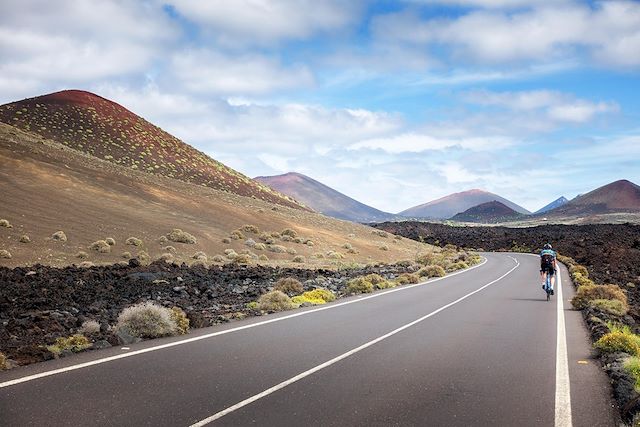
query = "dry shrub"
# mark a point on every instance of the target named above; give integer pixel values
(299, 259)
(289, 232)
(264, 236)
(74, 343)
(275, 301)
(432, 271)
(218, 258)
(180, 319)
(169, 249)
(289, 285)
(82, 255)
(147, 320)
(347, 246)
(383, 247)
(408, 278)
(59, 236)
(359, 285)
(126, 255)
(85, 264)
(110, 241)
(199, 263)
(580, 280)
(277, 249)
(250, 242)
(4, 362)
(250, 229)
(100, 246)
(163, 240)
(237, 235)
(286, 238)
(260, 246)
(25, 239)
(582, 270)
(143, 257)
(5, 223)
(318, 255)
(263, 258)
(587, 293)
(309, 243)
(200, 255)
(166, 257)
(609, 306)
(291, 251)
(5, 254)
(335, 255)
(242, 259)
(133, 241)
(380, 233)
(177, 235)
(89, 327)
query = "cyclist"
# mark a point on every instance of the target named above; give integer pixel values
(548, 266)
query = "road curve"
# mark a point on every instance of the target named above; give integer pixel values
(475, 348)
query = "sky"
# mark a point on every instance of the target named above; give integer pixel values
(394, 103)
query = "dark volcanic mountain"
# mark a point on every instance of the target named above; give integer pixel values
(619, 196)
(448, 206)
(94, 125)
(553, 205)
(322, 198)
(488, 213)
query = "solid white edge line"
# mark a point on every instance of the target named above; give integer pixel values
(226, 331)
(328, 363)
(563, 387)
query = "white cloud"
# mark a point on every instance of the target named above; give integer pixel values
(213, 72)
(262, 22)
(609, 32)
(418, 142)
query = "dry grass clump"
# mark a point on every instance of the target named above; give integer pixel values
(619, 339)
(291, 251)
(133, 241)
(260, 246)
(86, 264)
(335, 255)
(286, 238)
(218, 258)
(359, 285)
(309, 243)
(163, 240)
(460, 265)
(5, 223)
(200, 255)
(230, 253)
(147, 320)
(279, 249)
(432, 271)
(275, 301)
(289, 232)
(576, 268)
(5, 254)
(169, 249)
(110, 241)
(143, 257)
(74, 343)
(126, 255)
(4, 364)
(25, 239)
(383, 247)
(250, 229)
(180, 319)
(89, 327)
(59, 236)
(263, 257)
(250, 242)
(264, 236)
(299, 259)
(587, 293)
(380, 233)
(166, 257)
(289, 285)
(242, 259)
(82, 255)
(100, 246)
(609, 306)
(177, 235)
(237, 235)
(347, 246)
(408, 278)
(318, 255)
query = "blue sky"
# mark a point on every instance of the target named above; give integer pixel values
(394, 103)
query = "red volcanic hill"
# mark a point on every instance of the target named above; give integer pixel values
(97, 126)
(322, 198)
(448, 206)
(619, 196)
(488, 213)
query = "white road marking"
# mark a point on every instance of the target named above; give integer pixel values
(563, 389)
(226, 331)
(328, 363)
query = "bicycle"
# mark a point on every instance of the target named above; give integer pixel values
(547, 286)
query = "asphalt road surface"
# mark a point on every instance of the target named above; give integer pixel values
(481, 347)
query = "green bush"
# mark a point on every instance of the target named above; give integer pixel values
(610, 306)
(359, 285)
(432, 271)
(177, 235)
(275, 301)
(289, 286)
(75, 343)
(580, 280)
(298, 300)
(632, 366)
(619, 340)
(133, 241)
(579, 269)
(147, 320)
(591, 292)
(180, 319)
(324, 294)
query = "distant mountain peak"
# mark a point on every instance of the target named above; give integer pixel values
(323, 198)
(488, 212)
(560, 201)
(616, 197)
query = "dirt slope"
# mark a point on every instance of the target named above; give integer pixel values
(48, 187)
(100, 127)
(618, 196)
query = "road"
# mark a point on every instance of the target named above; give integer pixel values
(476, 348)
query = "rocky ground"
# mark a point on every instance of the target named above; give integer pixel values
(40, 303)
